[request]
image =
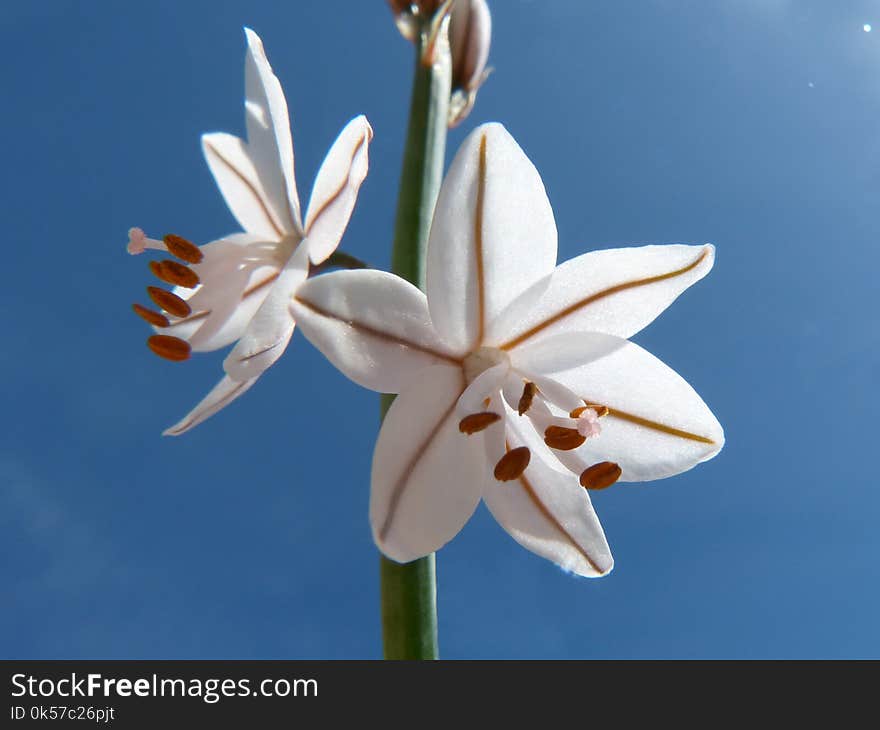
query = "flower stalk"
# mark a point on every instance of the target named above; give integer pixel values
(409, 593)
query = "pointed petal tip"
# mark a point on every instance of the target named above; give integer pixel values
(336, 187)
(709, 254)
(605, 568)
(362, 120)
(487, 127)
(717, 440)
(253, 40)
(598, 567)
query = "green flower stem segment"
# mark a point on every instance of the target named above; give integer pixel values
(409, 593)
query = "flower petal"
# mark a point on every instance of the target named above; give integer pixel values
(492, 238)
(657, 426)
(372, 325)
(235, 174)
(268, 127)
(547, 511)
(336, 188)
(618, 291)
(485, 387)
(226, 391)
(235, 279)
(270, 329)
(427, 476)
(562, 352)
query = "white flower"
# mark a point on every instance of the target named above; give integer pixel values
(238, 287)
(496, 366)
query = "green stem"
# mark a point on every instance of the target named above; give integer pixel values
(422, 161)
(409, 591)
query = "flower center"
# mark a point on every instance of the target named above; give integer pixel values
(479, 361)
(285, 247)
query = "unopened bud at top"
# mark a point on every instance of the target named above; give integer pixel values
(409, 13)
(470, 34)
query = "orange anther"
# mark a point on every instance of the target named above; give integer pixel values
(169, 302)
(513, 464)
(174, 273)
(183, 249)
(171, 348)
(600, 410)
(528, 395)
(600, 476)
(477, 422)
(154, 318)
(562, 438)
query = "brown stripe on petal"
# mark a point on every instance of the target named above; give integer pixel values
(418, 454)
(613, 412)
(170, 302)
(586, 301)
(477, 422)
(555, 523)
(366, 329)
(478, 243)
(174, 273)
(513, 464)
(154, 318)
(562, 438)
(600, 476)
(183, 249)
(253, 190)
(171, 348)
(330, 200)
(528, 395)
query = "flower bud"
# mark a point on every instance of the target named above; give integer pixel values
(470, 34)
(407, 14)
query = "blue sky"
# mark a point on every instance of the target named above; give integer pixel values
(752, 125)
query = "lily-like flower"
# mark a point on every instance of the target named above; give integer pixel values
(238, 287)
(513, 375)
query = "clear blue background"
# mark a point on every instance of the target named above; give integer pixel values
(751, 124)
